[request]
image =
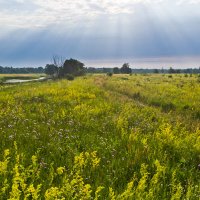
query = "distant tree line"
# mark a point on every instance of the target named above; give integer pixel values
(117, 70)
(25, 70)
(62, 68)
(125, 69)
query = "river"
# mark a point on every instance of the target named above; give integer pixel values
(24, 81)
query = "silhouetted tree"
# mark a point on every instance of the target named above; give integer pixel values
(91, 70)
(125, 69)
(1, 69)
(156, 71)
(51, 69)
(116, 70)
(107, 70)
(58, 61)
(73, 67)
(171, 70)
(109, 74)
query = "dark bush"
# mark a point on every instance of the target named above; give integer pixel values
(69, 77)
(116, 70)
(126, 69)
(109, 74)
(73, 67)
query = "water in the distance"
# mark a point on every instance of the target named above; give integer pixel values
(23, 81)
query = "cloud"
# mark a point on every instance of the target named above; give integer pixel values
(98, 29)
(183, 2)
(40, 13)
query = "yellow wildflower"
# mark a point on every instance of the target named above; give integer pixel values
(98, 190)
(60, 170)
(79, 160)
(95, 159)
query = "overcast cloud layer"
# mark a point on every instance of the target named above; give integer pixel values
(139, 31)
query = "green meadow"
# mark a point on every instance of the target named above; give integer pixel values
(99, 137)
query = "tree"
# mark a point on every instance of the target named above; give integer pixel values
(58, 61)
(51, 69)
(171, 70)
(156, 71)
(116, 70)
(107, 70)
(109, 74)
(126, 69)
(1, 69)
(73, 67)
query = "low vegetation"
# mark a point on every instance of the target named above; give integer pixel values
(101, 137)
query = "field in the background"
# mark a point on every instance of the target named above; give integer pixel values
(100, 137)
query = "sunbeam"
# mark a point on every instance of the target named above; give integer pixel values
(33, 31)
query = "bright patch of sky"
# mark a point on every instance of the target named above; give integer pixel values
(101, 32)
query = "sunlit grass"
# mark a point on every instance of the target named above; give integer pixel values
(101, 137)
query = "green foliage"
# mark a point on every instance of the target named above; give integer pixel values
(125, 69)
(116, 70)
(23, 70)
(51, 69)
(101, 138)
(73, 67)
(109, 74)
(69, 77)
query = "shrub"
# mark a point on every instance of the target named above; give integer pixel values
(69, 77)
(109, 74)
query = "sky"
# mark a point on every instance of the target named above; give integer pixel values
(101, 33)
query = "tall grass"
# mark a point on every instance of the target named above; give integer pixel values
(100, 137)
